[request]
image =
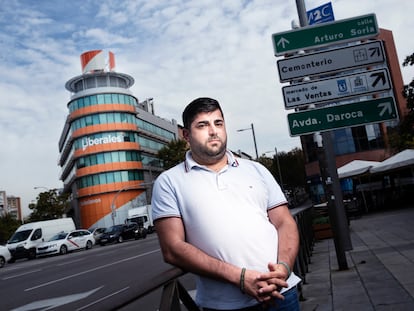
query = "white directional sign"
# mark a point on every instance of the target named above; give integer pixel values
(334, 60)
(337, 88)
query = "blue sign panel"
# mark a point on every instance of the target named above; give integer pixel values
(321, 14)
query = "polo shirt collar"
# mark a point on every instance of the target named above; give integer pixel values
(189, 163)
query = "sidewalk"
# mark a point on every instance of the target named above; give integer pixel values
(380, 273)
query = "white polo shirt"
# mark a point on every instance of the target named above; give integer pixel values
(225, 215)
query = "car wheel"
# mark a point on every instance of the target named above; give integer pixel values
(88, 245)
(120, 239)
(2, 261)
(63, 250)
(32, 254)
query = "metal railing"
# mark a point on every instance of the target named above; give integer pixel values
(174, 296)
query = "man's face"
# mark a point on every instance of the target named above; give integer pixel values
(207, 137)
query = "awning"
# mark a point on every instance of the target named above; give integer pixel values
(399, 160)
(356, 167)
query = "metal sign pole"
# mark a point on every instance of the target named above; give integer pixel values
(330, 180)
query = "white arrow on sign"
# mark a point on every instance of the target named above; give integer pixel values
(385, 107)
(336, 88)
(283, 42)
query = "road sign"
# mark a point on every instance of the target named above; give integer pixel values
(346, 30)
(347, 115)
(329, 61)
(337, 88)
(321, 14)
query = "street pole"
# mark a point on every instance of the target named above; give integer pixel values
(278, 168)
(254, 138)
(330, 180)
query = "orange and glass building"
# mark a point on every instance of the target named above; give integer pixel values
(109, 144)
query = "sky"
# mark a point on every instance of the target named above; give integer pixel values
(176, 50)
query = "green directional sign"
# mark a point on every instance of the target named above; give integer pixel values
(340, 116)
(346, 30)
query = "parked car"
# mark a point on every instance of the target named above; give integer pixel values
(65, 242)
(118, 233)
(140, 232)
(5, 255)
(97, 233)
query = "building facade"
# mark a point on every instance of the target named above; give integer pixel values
(109, 143)
(367, 142)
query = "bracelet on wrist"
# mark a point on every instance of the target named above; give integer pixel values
(287, 268)
(243, 271)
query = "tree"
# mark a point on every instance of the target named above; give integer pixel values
(173, 153)
(8, 225)
(292, 168)
(50, 205)
(402, 137)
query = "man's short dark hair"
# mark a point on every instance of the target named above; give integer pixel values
(202, 104)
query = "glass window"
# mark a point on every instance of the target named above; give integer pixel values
(90, 83)
(94, 100)
(96, 118)
(101, 99)
(100, 158)
(108, 157)
(122, 156)
(110, 178)
(117, 176)
(88, 120)
(102, 179)
(87, 101)
(108, 98)
(101, 80)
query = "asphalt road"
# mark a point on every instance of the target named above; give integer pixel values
(95, 279)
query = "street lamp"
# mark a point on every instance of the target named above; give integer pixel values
(41, 187)
(278, 168)
(254, 138)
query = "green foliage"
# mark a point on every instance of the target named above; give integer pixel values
(292, 168)
(7, 227)
(173, 153)
(320, 220)
(402, 137)
(408, 91)
(50, 205)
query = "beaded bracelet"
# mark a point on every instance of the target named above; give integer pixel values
(243, 271)
(286, 266)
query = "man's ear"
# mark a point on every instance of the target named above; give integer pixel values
(186, 134)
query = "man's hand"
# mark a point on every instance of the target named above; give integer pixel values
(275, 280)
(256, 287)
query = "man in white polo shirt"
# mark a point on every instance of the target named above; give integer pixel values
(226, 220)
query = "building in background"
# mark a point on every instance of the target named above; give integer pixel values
(367, 142)
(10, 205)
(109, 144)
(14, 207)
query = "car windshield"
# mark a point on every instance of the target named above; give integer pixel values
(114, 229)
(59, 236)
(20, 236)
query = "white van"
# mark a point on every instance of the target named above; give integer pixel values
(24, 241)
